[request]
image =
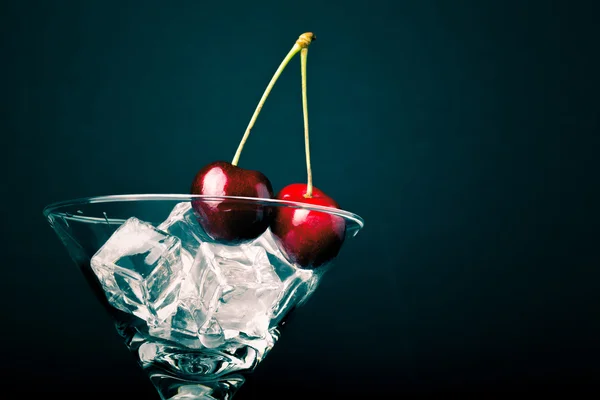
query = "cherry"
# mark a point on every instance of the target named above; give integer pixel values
(308, 238)
(226, 220)
(229, 221)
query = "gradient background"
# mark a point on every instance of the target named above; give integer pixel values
(466, 134)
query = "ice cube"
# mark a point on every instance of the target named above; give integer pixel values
(192, 324)
(283, 268)
(296, 290)
(237, 286)
(182, 223)
(211, 334)
(181, 328)
(298, 283)
(141, 269)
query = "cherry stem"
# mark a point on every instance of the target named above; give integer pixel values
(309, 185)
(302, 43)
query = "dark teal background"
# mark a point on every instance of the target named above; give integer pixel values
(465, 133)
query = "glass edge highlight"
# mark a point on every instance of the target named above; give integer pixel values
(50, 208)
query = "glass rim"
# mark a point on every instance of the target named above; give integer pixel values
(53, 207)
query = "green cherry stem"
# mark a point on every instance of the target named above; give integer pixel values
(302, 43)
(309, 185)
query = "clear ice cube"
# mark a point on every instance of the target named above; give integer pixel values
(282, 267)
(298, 283)
(236, 287)
(140, 269)
(182, 223)
(192, 322)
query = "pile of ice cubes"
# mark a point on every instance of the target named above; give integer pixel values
(194, 292)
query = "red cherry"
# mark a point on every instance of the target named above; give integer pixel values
(308, 238)
(230, 221)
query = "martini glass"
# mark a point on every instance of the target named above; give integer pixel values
(197, 314)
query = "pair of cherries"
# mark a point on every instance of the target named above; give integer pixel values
(308, 238)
